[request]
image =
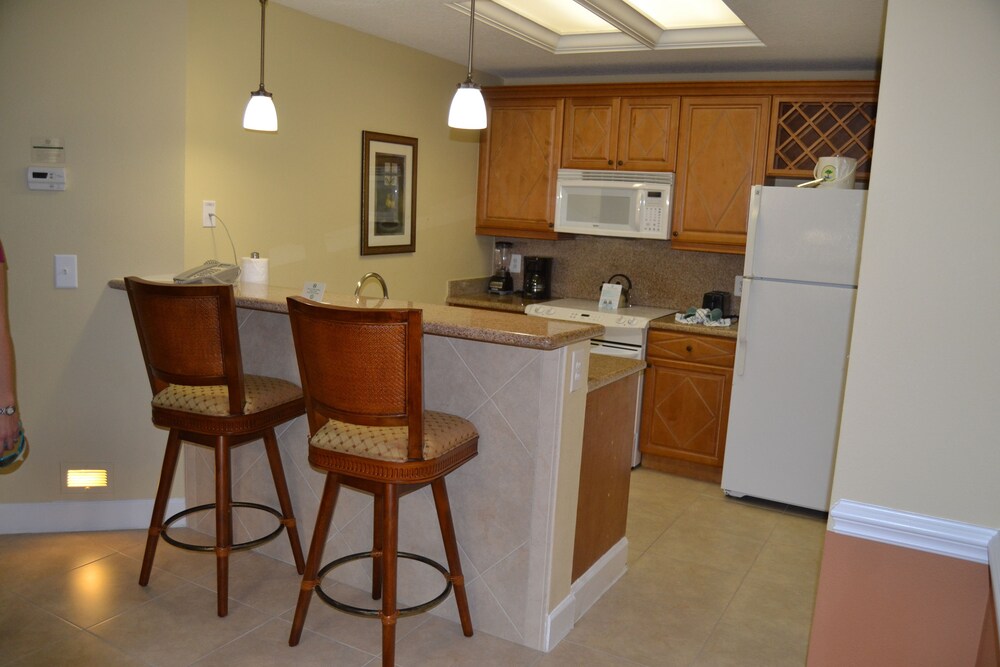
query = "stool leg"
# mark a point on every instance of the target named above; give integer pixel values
(160, 504)
(443, 507)
(390, 545)
(377, 546)
(284, 500)
(323, 517)
(223, 523)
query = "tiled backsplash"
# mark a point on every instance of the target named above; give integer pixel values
(660, 275)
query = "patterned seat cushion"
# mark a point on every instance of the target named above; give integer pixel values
(442, 433)
(261, 393)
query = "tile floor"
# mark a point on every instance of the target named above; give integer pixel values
(712, 581)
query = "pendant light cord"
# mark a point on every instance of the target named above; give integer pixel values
(472, 30)
(263, 4)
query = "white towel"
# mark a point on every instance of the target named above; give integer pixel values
(709, 318)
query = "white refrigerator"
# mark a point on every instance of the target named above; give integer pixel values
(799, 283)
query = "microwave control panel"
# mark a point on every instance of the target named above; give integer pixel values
(653, 212)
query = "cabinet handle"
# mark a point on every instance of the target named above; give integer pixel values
(689, 348)
(620, 163)
(611, 163)
(675, 234)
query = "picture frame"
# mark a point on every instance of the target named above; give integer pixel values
(388, 193)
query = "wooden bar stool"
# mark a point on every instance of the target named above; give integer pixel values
(190, 343)
(362, 375)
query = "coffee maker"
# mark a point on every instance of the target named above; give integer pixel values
(501, 282)
(537, 278)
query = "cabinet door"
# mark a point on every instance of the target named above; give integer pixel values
(685, 412)
(722, 150)
(647, 135)
(590, 133)
(518, 160)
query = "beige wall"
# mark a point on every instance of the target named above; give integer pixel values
(148, 97)
(919, 428)
(295, 196)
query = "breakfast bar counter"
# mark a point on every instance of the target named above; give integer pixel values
(514, 505)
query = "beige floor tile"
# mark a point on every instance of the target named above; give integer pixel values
(183, 563)
(178, 627)
(268, 645)
(706, 545)
(570, 654)
(99, 590)
(28, 628)
(268, 585)
(731, 516)
(441, 643)
(82, 650)
(29, 558)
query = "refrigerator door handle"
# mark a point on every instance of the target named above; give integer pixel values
(744, 328)
(756, 192)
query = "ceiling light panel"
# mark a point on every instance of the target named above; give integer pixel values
(686, 13)
(563, 17)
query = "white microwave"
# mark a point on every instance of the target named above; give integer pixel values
(630, 204)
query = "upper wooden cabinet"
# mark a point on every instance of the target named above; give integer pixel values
(718, 137)
(805, 127)
(518, 162)
(722, 151)
(633, 133)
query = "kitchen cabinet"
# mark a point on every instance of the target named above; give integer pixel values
(605, 469)
(518, 163)
(805, 127)
(685, 406)
(633, 133)
(721, 152)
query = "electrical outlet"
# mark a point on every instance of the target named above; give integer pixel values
(738, 286)
(515, 263)
(577, 379)
(208, 213)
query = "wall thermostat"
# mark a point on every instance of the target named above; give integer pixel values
(46, 178)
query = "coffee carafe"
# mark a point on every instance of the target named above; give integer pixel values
(537, 278)
(501, 282)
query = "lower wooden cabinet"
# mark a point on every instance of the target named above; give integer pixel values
(685, 406)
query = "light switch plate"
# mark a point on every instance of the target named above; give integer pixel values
(65, 269)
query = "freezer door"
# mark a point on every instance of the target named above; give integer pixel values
(808, 235)
(788, 382)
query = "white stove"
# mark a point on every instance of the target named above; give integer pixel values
(624, 336)
(624, 328)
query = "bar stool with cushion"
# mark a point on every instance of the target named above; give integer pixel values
(362, 375)
(190, 343)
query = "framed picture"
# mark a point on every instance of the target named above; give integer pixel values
(388, 193)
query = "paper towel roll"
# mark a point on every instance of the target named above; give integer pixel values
(253, 270)
(254, 290)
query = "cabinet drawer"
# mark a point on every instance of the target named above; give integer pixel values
(675, 346)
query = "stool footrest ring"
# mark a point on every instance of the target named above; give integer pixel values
(372, 613)
(210, 506)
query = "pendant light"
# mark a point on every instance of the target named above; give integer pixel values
(468, 110)
(260, 114)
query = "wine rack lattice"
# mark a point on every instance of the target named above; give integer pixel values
(804, 130)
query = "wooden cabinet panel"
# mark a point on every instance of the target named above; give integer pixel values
(518, 161)
(807, 127)
(721, 153)
(633, 133)
(685, 407)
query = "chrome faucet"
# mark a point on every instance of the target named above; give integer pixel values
(365, 278)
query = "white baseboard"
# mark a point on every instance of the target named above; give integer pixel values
(912, 531)
(73, 516)
(584, 592)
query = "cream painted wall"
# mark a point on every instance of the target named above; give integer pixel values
(148, 97)
(919, 428)
(116, 97)
(295, 196)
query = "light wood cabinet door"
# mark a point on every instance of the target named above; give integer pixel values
(518, 163)
(722, 151)
(632, 133)
(685, 407)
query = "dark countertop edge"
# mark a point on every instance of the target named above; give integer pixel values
(503, 328)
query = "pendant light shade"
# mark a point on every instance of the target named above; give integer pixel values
(468, 109)
(260, 114)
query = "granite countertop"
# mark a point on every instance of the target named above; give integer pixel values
(514, 303)
(489, 326)
(605, 369)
